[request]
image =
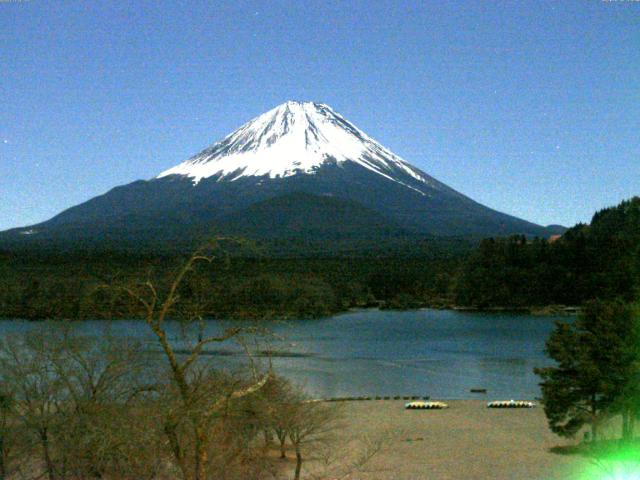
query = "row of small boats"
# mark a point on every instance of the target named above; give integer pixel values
(511, 404)
(426, 405)
(495, 404)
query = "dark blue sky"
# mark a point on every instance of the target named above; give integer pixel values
(532, 108)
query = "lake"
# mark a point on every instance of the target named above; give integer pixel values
(440, 353)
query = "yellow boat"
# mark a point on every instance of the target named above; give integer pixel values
(425, 405)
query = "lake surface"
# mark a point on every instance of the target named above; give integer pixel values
(439, 353)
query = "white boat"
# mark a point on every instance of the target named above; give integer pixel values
(511, 404)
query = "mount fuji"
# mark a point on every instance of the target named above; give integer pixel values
(300, 170)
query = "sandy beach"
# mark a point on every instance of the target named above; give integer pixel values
(465, 441)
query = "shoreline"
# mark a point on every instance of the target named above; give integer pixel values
(411, 398)
(539, 311)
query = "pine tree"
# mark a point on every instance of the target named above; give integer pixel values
(597, 369)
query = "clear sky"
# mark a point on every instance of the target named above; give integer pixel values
(532, 108)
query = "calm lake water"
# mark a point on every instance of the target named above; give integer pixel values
(438, 353)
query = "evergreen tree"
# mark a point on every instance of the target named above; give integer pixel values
(597, 369)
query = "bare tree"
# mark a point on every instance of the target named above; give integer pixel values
(7, 432)
(103, 381)
(351, 458)
(25, 370)
(310, 423)
(200, 400)
(73, 401)
(315, 431)
(274, 404)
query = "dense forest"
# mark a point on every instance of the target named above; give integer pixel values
(76, 286)
(599, 260)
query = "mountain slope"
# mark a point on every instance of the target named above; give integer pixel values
(303, 215)
(298, 148)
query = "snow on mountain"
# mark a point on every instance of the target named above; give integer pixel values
(295, 138)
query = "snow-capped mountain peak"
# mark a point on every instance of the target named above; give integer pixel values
(301, 173)
(294, 138)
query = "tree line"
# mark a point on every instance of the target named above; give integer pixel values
(38, 286)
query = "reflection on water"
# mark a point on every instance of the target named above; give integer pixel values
(426, 352)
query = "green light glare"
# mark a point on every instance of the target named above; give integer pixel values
(623, 463)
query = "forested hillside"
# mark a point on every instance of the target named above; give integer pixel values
(74, 286)
(599, 260)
